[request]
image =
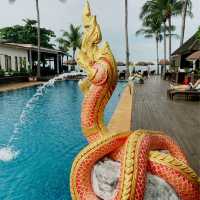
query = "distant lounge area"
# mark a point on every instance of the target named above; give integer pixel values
(188, 95)
(188, 90)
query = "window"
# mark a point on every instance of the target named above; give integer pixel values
(20, 62)
(16, 64)
(6, 63)
(24, 62)
(9, 64)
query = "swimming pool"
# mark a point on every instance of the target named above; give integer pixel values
(47, 140)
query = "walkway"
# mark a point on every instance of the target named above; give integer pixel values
(15, 86)
(179, 119)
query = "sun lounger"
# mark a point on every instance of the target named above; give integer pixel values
(187, 94)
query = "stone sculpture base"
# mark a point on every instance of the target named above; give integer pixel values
(105, 176)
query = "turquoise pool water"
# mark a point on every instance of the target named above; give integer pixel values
(46, 139)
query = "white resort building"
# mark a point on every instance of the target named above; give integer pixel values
(14, 57)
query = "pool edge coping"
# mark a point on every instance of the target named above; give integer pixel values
(121, 120)
(18, 86)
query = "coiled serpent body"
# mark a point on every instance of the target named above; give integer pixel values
(138, 152)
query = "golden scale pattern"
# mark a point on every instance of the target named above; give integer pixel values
(138, 152)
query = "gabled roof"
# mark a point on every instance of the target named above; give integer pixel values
(191, 45)
(194, 56)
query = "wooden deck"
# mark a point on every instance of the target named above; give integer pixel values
(180, 119)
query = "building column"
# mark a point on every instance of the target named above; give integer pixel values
(44, 60)
(62, 60)
(30, 60)
(179, 66)
(194, 65)
(192, 74)
(57, 62)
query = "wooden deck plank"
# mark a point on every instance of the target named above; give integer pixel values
(179, 118)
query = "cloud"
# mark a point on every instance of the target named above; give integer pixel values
(110, 15)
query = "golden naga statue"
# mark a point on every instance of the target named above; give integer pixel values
(138, 153)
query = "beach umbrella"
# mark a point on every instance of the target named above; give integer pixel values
(164, 62)
(70, 62)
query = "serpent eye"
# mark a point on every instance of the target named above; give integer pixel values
(86, 26)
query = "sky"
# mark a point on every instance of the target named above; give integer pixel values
(110, 15)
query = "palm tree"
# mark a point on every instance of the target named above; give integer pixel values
(38, 36)
(170, 34)
(173, 8)
(126, 36)
(73, 38)
(187, 9)
(152, 29)
(64, 45)
(162, 10)
(38, 33)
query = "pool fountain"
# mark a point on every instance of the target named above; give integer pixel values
(8, 152)
(48, 141)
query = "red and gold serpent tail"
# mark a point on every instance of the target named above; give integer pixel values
(141, 157)
(139, 152)
(81, 187)
(137, 160)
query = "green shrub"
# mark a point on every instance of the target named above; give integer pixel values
(187, 70)
(16, 73)
(10, 72)
(2, 72)
(30, 71)
(22, 72)
(198, 34)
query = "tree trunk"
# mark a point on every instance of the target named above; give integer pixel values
(170, 38)
(74, 52)
(165, 47)
(157, 56)
(73, 58)
(38, 38)
(184, 11)
(126, 37)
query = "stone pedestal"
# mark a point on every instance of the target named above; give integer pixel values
(105, 176)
